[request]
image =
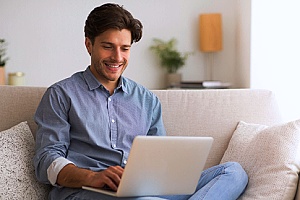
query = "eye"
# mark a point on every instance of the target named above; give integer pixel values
(126, 48)
(107, 47)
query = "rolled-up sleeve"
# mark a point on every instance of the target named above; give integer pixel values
(55, 167)
(52, 138)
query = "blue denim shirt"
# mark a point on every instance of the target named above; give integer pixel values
(79, 120)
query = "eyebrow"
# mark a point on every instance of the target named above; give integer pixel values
(109, 43)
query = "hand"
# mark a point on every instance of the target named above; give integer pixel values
(74, 177)
(110, 177)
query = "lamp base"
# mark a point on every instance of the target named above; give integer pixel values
(210, 66)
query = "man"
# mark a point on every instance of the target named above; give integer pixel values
(86, 123)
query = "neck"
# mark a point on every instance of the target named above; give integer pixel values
(111, 86)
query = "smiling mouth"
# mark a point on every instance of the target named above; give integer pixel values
(113, 65)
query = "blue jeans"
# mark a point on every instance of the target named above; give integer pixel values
(225, 181)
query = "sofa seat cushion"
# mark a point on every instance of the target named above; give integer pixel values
(17, 179)
(270, 156)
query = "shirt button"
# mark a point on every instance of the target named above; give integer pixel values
(125, 162)
(114, 146)
(109, 99)
(113, 121)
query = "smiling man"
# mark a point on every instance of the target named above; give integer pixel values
(87, 122)
(110, 53)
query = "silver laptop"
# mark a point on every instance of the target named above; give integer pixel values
(162, 165)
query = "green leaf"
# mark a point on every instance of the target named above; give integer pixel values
(170, 57)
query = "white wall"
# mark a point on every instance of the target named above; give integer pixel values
(46, 39)
(275, 43)
(243, 31)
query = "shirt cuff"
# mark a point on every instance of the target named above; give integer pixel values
(55, 167)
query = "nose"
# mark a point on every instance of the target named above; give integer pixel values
(117, 55)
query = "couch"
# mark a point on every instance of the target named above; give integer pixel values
(245, 123)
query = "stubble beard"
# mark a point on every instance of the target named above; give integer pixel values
(101, 69)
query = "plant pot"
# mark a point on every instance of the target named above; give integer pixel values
(2, 75)
(173, 80)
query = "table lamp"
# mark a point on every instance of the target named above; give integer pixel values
(210, 30)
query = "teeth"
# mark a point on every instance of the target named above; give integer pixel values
(113, 66)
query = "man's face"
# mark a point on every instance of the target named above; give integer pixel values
(109, 55)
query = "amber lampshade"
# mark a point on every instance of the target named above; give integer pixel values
(210, 30)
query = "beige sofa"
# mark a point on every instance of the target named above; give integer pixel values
(213, 113)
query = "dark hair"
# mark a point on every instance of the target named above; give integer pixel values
(111, 16)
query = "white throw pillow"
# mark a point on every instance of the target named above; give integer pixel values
(270, 156)
(17, 179)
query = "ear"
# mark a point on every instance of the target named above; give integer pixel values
(88, 45)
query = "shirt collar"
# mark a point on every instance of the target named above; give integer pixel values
(93, 83)
(124, 84)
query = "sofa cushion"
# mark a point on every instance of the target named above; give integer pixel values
(270, 156)
(17, 179)
(216, 113)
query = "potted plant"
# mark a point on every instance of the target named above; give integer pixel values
(3, 60)
(170, 59)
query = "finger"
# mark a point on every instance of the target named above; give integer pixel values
(109, 183)
(113, 176)
(118, 170)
